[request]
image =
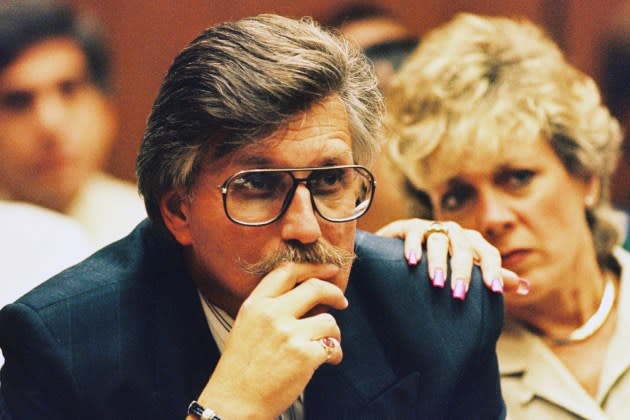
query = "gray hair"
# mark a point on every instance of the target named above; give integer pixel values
(241, 81)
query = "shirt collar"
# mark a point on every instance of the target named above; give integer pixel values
(219, 322)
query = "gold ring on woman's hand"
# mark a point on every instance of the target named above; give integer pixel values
(435, 227)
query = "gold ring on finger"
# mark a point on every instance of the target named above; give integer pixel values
(435, 227)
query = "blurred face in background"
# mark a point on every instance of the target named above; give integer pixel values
(390, 202)
(56, 126)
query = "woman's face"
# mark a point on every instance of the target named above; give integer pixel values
(530, 208)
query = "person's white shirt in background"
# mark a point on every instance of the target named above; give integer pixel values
(35, 244)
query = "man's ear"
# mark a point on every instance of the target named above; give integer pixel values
(175, 213)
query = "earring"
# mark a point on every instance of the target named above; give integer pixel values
(589, 201)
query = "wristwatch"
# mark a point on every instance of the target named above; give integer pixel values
(203, 413)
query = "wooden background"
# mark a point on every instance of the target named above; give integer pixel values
(146, 35)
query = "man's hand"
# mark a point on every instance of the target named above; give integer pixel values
(465, 246)
(280, 336)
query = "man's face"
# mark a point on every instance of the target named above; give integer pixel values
(55, 125)
(217, 248)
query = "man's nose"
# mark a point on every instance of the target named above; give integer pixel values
(50, 112)
(299, 222)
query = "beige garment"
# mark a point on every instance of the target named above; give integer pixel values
(107, 208)
(537, 385)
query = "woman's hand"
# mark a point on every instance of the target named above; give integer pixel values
(465, 246)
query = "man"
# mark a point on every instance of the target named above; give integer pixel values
(56, 120)
(239, 292)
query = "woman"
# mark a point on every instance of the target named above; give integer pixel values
(490, 122)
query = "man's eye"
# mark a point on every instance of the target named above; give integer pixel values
(69, 88)
(332, 178)
(254, 182)
(16, 101)
(260, 186)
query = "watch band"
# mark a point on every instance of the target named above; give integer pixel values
(203, 413)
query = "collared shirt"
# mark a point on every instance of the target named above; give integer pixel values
(107, 208)
(537, 385)
(36, 243)
(220, 324)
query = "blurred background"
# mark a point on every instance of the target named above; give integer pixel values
(145, 36)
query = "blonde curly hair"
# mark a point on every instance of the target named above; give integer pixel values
(481, 85)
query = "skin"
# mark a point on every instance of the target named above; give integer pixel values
(319, 137)
(533, 211)
(272, 351)
(273, 348)
(465, 248)
(55, 125)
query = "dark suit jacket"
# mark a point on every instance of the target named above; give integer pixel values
(123, 335)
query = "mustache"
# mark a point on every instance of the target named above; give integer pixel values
(320, 252)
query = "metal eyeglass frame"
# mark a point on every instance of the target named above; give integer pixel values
(291, 192)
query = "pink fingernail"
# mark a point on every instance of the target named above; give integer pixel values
(412, 259)
(497, 286)
(438, 278)
(523, 286)
(459, 292)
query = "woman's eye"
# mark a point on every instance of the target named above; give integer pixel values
(517, 178)
(455, 199)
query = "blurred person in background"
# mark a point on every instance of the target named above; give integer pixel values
(379, 33)
(57, 122)
(36, 243)
(386, 41)
(615, 81)
(504, 136)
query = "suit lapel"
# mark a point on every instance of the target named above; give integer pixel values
(186, 352)
(342, 391)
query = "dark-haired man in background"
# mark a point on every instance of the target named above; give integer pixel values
(57, 121)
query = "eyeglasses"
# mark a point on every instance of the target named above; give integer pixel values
(259, 197)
